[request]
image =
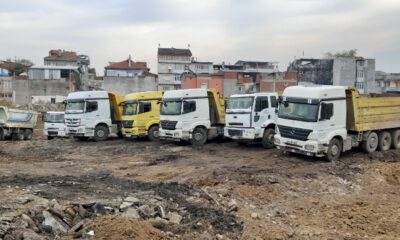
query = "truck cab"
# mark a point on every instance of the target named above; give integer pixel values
(54, 125)
(193, 115)
(93, 114)
(141, 115)
(252, 117)
(309, 118)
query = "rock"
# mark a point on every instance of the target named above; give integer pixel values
(133, 200)
(83, 212)
(255, 215)
(98, 208)
(30, 223)
(219, 236)
(132, 213)
(174, 217)
(232, 205)
(90, 233)
(56, 224)
(70, 211)
(144, 211)
(158, 222)
(30, 235)
(125, 205)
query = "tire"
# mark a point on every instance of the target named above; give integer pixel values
(385, 140)
(334, 150)
(50, 138)
(199, 137)
(268, 138)
(17, 136)
(153, 133)
(371, 143)
(395, 134)
(28, 134)
(100, 133)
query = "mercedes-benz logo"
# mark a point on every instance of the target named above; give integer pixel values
(292, 131)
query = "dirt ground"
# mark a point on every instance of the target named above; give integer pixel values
(220, 191)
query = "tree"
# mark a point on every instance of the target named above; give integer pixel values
(17, 67)
(344, 53)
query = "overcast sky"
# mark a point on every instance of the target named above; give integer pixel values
(217, 30)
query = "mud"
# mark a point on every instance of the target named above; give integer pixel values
(221, 189)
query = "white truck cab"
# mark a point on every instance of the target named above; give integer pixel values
(54, 125)
(92, 114)
(309, 118)
(191, 114)
(252, 117)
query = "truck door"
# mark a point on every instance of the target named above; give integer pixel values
(92, 114)
(273, 107)
(145, 114)
(261, 112)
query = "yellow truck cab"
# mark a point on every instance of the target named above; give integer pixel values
(141, 114)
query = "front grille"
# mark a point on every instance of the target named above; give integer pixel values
(72, 122)
(168, 125)
(294, 133)
(235, 133)
(127, 124)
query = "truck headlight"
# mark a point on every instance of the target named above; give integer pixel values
(277, 141)
(277, 130)
(309, 147)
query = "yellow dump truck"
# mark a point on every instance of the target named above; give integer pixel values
(328, 120)
(17, 124)
(141, 115)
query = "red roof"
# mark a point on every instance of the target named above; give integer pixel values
(62, 55)
(174, 52)
(128, 64)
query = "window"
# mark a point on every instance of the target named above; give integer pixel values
(261, 104)
(145, 107)
(189, 106)
(53, 100)
(274, 102)
(177, 78)
(91, 106)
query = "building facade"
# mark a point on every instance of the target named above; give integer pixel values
(171, 64)
(387, 82)
(128, 76)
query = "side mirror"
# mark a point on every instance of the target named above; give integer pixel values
(326, 111)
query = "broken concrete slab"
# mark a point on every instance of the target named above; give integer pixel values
(56, 224)
(132, 213)
(174, 217)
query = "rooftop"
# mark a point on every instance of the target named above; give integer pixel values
(128, 64)
(62, 55)
(175, 52)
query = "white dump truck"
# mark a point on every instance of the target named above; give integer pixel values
(328, 120)
(93, 115)
(54, 125)
(17, 124)
(251, 118)
(193, 115)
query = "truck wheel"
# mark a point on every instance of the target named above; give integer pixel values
(396, 139)
(100, 133)
(385, 140)
(17, 136)
(334, 150)
(268, 138)
(154, 134)
(28, 134)
(199, 137)
(371, 144)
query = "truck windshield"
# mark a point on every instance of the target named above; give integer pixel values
(241, 103)
(171, 108)
(129, 108)
(298, 111)
(75, 106)
(54, 118)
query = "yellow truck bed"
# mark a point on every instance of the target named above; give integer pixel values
(217, 106)
(367, 113)
(116, 108)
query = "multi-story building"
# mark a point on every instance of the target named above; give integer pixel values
(172, 63)
(128, 76)
(339, 71)
(388, 82)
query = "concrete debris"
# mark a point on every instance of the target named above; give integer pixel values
(125, 205)
(255, 215)
(56, 224)
(158, 222)
(144, 211)
(174, 217)
(132, 213)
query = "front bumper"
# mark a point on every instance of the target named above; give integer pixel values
(80, 131)
(175, 135)
(54, 133)
(240, 133)
(309, 147)
(133, 132)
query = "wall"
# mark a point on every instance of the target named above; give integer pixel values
(25, 89)
(129, 85)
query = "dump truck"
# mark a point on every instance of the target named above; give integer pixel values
(328, 120)
(141, 115)
(93, 115)
(251, 118)
(17, 124)
(54, 125)
(194, 115)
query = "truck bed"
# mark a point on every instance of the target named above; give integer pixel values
(367, 113)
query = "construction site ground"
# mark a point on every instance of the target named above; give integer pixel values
(219, 191)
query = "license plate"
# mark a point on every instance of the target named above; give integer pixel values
(128, 135)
